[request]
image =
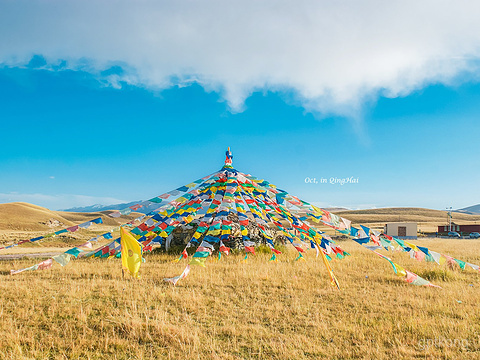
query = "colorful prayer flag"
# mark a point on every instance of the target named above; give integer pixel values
(131, 251)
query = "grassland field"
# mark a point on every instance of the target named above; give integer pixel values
(232, 310)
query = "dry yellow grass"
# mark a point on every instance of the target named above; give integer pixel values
(27, 217)
(230, 310)
(407, 214)
(427, 219)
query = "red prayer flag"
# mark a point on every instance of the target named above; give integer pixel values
(143, 227)
(250, 249)
(224, 249)
(46, 264)
(299, 249)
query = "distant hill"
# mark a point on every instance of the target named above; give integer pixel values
(27, 217)
(405, 214)
(474, 209)
(99, 207)
(24, 216)
(335, 209)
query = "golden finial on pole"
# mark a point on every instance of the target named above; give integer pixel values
(228, 158)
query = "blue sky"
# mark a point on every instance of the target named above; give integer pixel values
(106, 105)
(69, 140)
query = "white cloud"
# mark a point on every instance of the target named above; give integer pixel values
(333, 55)
(60, 201)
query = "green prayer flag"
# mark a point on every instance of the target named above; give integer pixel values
(419, 281)
(201, 254)
(460, 263)
(75, 251)
(300, 256)
(62, 259)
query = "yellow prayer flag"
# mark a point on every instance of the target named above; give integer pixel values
(131, 253)
(198, 261)
(442, 260)
(317, 210)
(181, 199)
(412, 246)
(400, 270)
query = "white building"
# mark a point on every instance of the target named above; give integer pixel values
(405, 230)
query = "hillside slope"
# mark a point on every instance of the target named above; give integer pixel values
(102, 208)
(418, 215)
(474, 209)
(26, 217)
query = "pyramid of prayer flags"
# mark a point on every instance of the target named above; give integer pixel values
(229, 208)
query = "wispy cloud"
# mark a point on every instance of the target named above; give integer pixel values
(60, 201)
(333, 56)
